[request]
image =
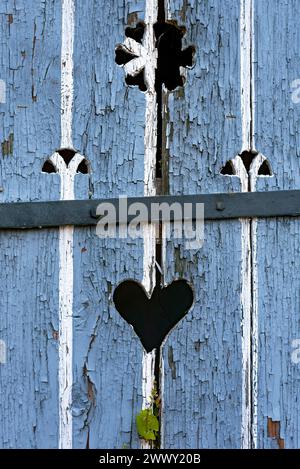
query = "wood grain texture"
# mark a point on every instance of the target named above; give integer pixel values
(108, 128)
(202, 398)
(202, 375)
(30, 118)
(29, 327)
(202, 402)
(30, 122)
(277, 120)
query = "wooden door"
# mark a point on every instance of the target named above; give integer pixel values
(85, 115)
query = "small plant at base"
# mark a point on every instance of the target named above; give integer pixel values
(147, 425)
(147, 421)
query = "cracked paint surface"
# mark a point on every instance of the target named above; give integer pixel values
(29, 260)
(202, 402)
(202, 366)
(108, 128)
(203, 406)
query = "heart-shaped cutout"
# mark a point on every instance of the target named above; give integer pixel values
(152, 318)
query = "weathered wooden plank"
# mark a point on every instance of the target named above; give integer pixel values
(277, 120)
(29, 133)
(205, 396)
(30, 117)
(108, 128)
(29, 329)
(206, 373)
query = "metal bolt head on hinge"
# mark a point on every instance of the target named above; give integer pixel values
(220, 206)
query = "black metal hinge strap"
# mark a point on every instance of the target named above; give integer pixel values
(28, 215)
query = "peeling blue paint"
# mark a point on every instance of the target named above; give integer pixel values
(108, 128)
(202, 400)
(277, 122)
(203, 404)
(29, 261)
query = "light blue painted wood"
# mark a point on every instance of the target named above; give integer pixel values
(277, 59)
(30, 65)
(29, 328)
(202, 401)
(30, 120)
(108, 129)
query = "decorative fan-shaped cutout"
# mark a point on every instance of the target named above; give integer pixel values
(56, 165)
(252, 161)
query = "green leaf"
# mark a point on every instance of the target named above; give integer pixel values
(147, 425)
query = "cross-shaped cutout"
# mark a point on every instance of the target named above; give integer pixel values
(171, 56)
(133, 56)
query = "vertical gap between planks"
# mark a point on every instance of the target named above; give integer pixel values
(163, 15)
(66, 277)
(253, 234)
(165, 229)
(153, 251)
(149, 230)
(246, 297)
(248, 235)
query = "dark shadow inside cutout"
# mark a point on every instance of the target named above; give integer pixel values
(170, 54)
(265, 169)
(49, 167)
(122, 56)
(228, 169)
(137, 80)
(136, 33)
(153, 318)
(83, 167)
(67, 155)
(247, 158)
